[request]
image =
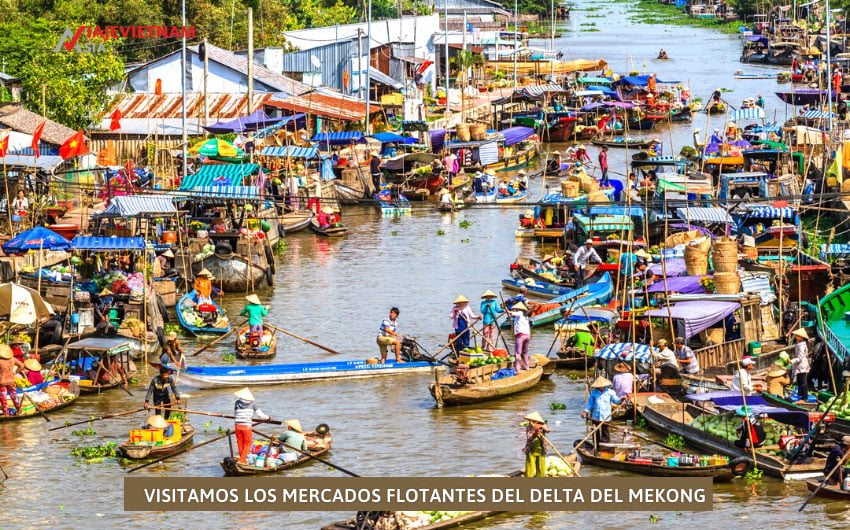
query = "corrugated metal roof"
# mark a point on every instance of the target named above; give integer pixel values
(334, 58)
(380, 77)
(239, 63)
(108, 243)
(153, 107)
(135, 205)
(338, 107)
(225, 174)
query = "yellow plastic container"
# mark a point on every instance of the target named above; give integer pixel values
(152, 435)
(466, 358)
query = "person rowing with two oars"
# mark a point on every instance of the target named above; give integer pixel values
(158, 390)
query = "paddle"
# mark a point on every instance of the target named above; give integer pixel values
(598, 426)
(106, 417)
(34, 404)
(271, 422)
(821, 485)
(573, 471)
(205, 348)
(558, 332)
(305, 453)
(3, 471)
(186, 450)
(316, 344)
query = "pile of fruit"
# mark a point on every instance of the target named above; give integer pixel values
(726, 425)
(841, 409)
(486, 360)
(437, 516)
(556, 467)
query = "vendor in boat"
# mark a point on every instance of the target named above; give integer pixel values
(716, 137)
(103, 305)
(535, 447)
(246, 411)
(375, 170)
(490, 311)
(158, 390)
(8, 367)
(662, 54)
(582, 339)
(777, 379)
(716, 95)
(522, 335)
(158, 422)
(255, 310)
(16, 344)
(521, 297)
(172, 351)
(624, 380)
(836, 455)
(582, 257)
(387, 336)
(292, 441)
(598, 407)
(800, 363)
(581, 155)
(522, 180)
(32, 370)
(686, 358)
(108, 369)
(462, 318)
(741, 381)
(751, 431)
(446, 198)
(165, 262)
(327, 217)
(645, 275)
(204, 289)
(662, 355)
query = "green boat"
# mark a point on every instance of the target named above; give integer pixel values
(835, 328)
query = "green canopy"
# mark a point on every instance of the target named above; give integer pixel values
(216, 147)
(219, 175)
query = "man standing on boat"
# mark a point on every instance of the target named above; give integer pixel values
(375, 170)
(598, 407)
(800, 363)
(489, 312)
(246, 411)
(581, 258)
(255, 310)
(742, 381)
(387, 336)
(688, 363)
(836, 455)
(603, 166)
(158, 390)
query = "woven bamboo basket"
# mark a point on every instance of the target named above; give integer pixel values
(599, 197)
(752, 253)
(727, 283)
(696, 261)
(589, 185)
(569, 189)
(478, 131)
(462, 130)
(725, 255)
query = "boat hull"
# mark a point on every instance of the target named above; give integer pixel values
(141, 452)
(716, 473)
(331, 231)
(295, 221)
(446, 391)
(235, 274)
(317, 444)
(246, 351)
(544, 291)
(186, 299)
(828, 492)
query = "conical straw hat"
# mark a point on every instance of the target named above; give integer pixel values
(800, 333)
(295, 425)
(519, 306)
(254, 299)
(535, 416)
(600, 382)
(33, 365)
(460, 299)
(157, 422)
(488, 293)
(245, 394)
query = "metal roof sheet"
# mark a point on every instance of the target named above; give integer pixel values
(212, 174)
(331, 106)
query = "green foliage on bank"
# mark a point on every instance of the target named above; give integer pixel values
(652, 12)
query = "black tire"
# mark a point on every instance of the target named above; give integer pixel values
(741, 466)
(270, 258)
(160, 304)
(223, 249)
(269, 277)
(281, 230)
(160, 336)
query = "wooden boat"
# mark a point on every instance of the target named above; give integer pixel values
(536, 289)
(266, 349)
(804, 97)
(478, 387)
(515, 161)
(296, 221)
(590, 294)
(331, 231)
(716, 107)
(634, 143)
(672, 417)
(828, 492)
(722, 473)
(398, 205)
(82, 357)
(187, 301)
(685, 115)
(138, 451)
(742, 75)
(561, 129)
(317, 444)
(27, 409)
(234, 273)
(838, 427)
(275, 374)
(518, 196)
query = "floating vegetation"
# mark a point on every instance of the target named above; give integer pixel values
(84, 432)
(95, 453)
(394, 233)
(464, 224)
(755, 475)
(441, 232)
(650, 12)
(557, 406)
(674, 440)
(280, 245)
(229, 358)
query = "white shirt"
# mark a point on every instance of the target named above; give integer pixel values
(584, 254)
(521, 324)
(20, 204)
(742, 379)
(446, 198)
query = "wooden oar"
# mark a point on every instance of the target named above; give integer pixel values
(822, 484)
(6, 475)
(106, 417)
(271, 422)
(34, 404)
(316, 344)
(573, 471)
(186, 450)
(598, 426)
(305, 453)
(205, 348)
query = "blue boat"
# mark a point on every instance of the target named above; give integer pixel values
(275, 374)
(591, 294)
(187, 301)
(518, 196)
(536, 288)
(392, 202)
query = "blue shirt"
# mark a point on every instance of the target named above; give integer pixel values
(627, 263)
(515, 300)
(599, 403)
(489, 309)
(387, 324)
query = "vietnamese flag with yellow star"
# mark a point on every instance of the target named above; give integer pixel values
(74, 146)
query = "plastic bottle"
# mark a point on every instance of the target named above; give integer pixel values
(846, 485)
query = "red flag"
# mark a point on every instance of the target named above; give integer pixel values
(4, 146)
(36, 137)
(158, 87)
(116, 120)
(74, 146)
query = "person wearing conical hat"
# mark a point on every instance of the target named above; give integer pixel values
(204, 289)
(292, 440)
(172, 351)
(583, 339)
(535, 447)
(255, 310)
(522, 335)
(445, 197)
(462, 319)
(490, 311)
(800, 363)
(8, 366)
(158, 391)
(245, 411)
(777, 379)
(33, 371)
(164, 260)
(598, 407)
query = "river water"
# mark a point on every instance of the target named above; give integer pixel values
(337, 292)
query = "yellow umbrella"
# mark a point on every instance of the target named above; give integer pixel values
(216, 147)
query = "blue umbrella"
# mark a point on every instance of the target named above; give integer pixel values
(35, 239)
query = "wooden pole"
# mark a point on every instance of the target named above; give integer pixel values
(316, 344)
(826, 347)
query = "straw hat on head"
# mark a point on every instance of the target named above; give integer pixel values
(776, 371)
(581, 146)
(800, 332)
(104, 292)
(490, 172)
(295, 425)
(845, 440)
(157, 422)
(535, 417)
(5, 352)
(254, 299)
(172, 335)
(519, 306)
(245, 394)
(460, 299)
(32, 364)
(207, 273)
(327, 210)
(662, 342)
(528, 213)
(547, 257)
(600, 382)
(622, 367)
(521, 172)
(588, 242)
(168, 254)
(641, 253)
(555, 153)
(581, 327)
(16, 340)
(488, 294)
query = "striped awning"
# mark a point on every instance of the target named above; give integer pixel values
(339, 138)
(771, 212)
(488, 153)
(625, 351)
(752, 113)
(758, 283)
(834, 251)
(215, 174)
(290, 151)
(818, 115)
(539, 90)
(136, 205)
(227, 192)
(704, 215)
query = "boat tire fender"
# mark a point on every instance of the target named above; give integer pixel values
(160, 304)
(741, 466)
(223, 249)
(323, 428)
(270, 259)
(269, 277)
(281, 230)
(160, 336)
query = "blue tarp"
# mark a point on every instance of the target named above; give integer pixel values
(605, 90)
(253, 122)
(641, 80)
(438, 139)
(515, 135)
(108, 244)
(632, 211)
(339, 138)
(35, 239)
(771, 212)
(387, 137)
(290, 150)
(704, 215)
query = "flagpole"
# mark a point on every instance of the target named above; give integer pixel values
(183, 84)
(5, 144)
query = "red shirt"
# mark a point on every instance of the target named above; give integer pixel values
(603, 160)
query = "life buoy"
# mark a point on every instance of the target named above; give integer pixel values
(323, 428)
(163, 310)
(741, 466)
(223, 248)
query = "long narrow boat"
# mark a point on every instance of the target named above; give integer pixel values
(536, 289)
(838, 427)
(515, 161)
(234, 273)
(139, 452)
(390, 205)
(317, 445)
(187, 303)
(722, 473)
(591, 294)
(828, 492)
(634, 143)
(265, 348)
(478, 387)
(331, 231)
(832, 326)
(518, 196)
(275, 374)
(804, 97)
(742, 75)
(59, 399)
(296, 221)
